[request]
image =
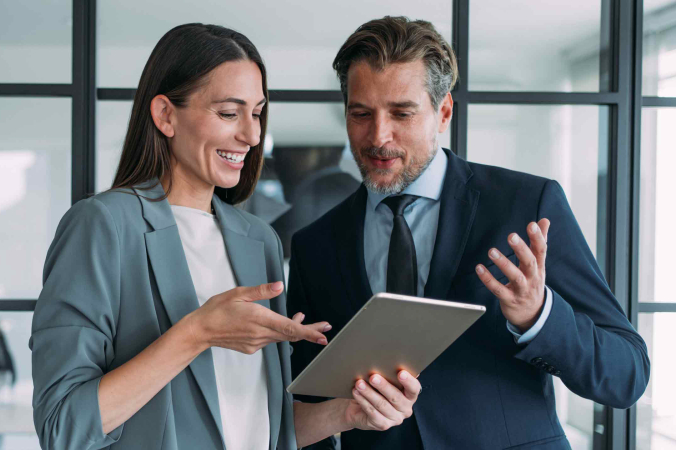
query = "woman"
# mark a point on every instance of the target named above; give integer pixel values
(141, 280)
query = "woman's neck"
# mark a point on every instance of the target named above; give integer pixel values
(185, 192)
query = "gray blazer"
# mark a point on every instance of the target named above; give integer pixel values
(115, 279)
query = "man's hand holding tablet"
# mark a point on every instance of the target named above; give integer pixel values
(379, 405)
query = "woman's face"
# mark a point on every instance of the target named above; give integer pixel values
(218, 126)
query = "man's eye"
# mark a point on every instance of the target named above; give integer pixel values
(403, 115)
(360, 115)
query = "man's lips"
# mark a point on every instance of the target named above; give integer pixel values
(382, 163)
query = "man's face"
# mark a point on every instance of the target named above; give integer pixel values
(391, 123)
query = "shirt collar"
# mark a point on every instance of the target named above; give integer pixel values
(429, 184)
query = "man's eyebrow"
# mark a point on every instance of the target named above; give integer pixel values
(239, 101)
(405, 104)
(356, 105)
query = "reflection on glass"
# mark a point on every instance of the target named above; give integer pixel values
(35, 173)
(537, 46)
(568, 144)
(657, 243)
(16, 411)
(659, 48)
(656, 410)
(293, 37)
(35, 41)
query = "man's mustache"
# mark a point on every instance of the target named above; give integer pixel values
(382, 152)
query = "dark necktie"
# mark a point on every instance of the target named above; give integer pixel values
(402, 264)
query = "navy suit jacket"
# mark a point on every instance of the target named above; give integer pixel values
(484, 391)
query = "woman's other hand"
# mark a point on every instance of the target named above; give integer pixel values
(233, 320)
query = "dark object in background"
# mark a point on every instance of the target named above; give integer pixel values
(6, 363)
(312, 183)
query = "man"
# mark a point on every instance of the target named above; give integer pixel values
(427, 223)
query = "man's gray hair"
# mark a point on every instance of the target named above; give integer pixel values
(399, 40)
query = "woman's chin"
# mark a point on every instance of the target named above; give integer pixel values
(226, 182)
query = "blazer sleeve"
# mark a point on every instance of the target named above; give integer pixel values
(303, 351)
(73, 331)
(587, 340)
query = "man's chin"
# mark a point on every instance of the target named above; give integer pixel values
(391, 184)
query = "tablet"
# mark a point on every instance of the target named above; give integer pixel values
(389, 333)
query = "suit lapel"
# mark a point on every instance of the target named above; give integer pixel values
(349, 236)
(170, 268)
(456, 215)
(247, 258)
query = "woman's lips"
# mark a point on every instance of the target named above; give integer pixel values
(382, 163)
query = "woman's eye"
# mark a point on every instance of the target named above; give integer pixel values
(257, 116)
(227, 115)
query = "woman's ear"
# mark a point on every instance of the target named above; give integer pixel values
(163, 112)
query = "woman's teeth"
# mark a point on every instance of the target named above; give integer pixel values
(232, 157)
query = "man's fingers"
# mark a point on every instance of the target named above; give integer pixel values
(298, 317)
(515, 275)
(544, 226)
(372, 417)
(380, 404)
(498, 289)
(538, 243)
(412, 387)
(260, 292)
(528, 263)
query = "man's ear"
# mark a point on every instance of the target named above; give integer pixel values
(163, 113)
(445, 112)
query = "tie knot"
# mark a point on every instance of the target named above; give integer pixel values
(398, 203)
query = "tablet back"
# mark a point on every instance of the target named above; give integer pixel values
(390, 333)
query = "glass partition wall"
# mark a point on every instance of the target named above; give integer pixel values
(582, 92)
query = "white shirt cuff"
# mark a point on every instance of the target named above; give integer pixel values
(535, 329)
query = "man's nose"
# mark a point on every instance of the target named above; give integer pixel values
(381, 131)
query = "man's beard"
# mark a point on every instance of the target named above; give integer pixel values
(402, 180)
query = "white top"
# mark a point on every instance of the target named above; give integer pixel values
(241, 379)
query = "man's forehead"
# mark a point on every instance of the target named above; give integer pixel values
(395, 83)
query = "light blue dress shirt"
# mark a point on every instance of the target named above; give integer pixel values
(422, 217)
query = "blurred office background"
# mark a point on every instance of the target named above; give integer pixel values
(582, 91)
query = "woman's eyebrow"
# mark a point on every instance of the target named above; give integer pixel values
(239, 101)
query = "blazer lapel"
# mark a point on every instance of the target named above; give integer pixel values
(247, 258)
(170, 268)
(456, 215)
(349, 237)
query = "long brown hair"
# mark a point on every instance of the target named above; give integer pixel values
(180, 64)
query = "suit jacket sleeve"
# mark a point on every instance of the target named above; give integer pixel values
(587, 340)
(303, 351)
(73, 329)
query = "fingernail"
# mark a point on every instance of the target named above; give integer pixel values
(322, 341)
(361, 385)
(403, 375)
(302, 316)
(355, 392)
(480, 269)
(327, 327)
(534, 228)
(514, 239)
(494, 254)
(376, 379)
(277, 286)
